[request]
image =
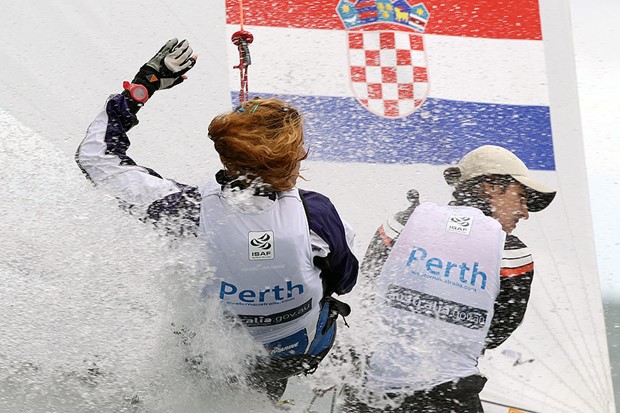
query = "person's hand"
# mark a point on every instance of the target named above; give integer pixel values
(168, 67)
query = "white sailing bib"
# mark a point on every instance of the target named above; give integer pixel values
(263, 263)
(435, 298)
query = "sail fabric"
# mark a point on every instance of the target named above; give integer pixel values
(393, 91)
(254, 284)
(484, 72)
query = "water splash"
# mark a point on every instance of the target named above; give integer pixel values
(97, 306)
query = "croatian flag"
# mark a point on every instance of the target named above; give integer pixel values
(403, 81)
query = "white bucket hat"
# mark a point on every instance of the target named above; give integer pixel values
(495, 160)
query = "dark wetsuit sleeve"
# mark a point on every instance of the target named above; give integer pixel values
(517, 273)
(102, 156)
(339, 269)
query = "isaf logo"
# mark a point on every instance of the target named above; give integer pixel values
(387, 60)
(459, 224)
(261, 245)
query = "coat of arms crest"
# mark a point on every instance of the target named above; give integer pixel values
(387, 61)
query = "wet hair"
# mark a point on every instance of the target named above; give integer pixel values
(261, 141)
(471, 192)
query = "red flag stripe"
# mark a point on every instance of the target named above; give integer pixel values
(470, 18)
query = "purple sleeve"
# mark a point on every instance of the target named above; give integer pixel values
(340, 268)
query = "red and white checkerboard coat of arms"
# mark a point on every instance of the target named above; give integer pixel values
(387, 61)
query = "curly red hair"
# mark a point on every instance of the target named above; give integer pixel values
(262, 138)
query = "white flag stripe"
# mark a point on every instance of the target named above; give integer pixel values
(316, 62)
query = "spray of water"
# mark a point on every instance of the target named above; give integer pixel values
(101, 313)
(345, 369)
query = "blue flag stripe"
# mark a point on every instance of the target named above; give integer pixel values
(339, 129)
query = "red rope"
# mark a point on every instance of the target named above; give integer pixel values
(242, 39)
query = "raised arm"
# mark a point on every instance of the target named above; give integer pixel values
(102, 155)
